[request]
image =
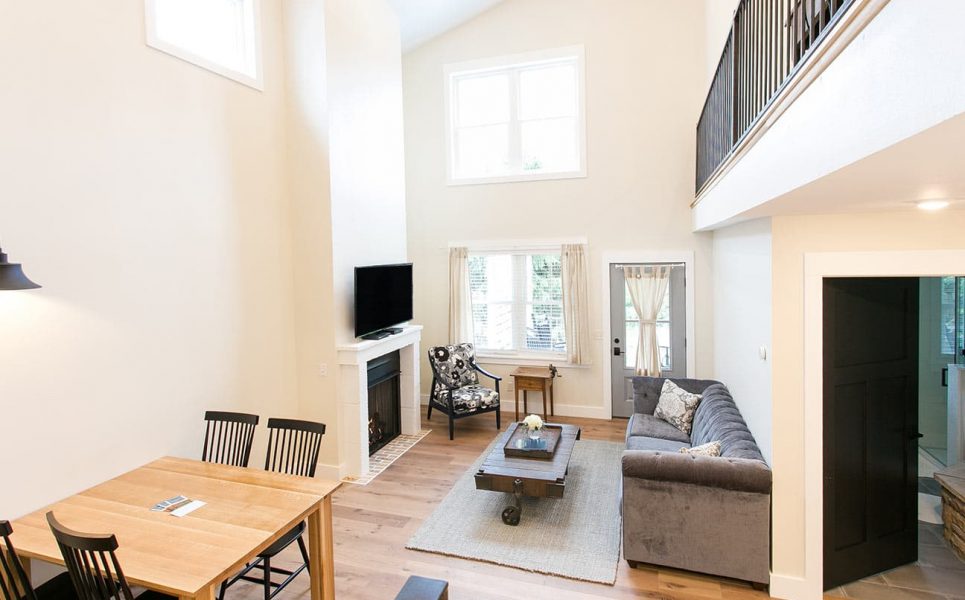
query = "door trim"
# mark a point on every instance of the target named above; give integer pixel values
(817, 266)
(644, 256)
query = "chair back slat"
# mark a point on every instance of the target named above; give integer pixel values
(91, 563)
(293, 446)
(14, 582)
(228, 437)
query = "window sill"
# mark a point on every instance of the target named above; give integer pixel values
(528, 360)
(518, 178)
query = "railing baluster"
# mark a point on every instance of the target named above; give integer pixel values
(769, 41)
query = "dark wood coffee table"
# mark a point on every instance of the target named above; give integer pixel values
(532, 477)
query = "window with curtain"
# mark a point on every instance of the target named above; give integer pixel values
(517, 118)
(219, 35)
(517, 303)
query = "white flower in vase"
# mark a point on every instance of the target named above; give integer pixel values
(534, 424)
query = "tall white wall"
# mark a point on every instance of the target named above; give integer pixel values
(149, 197)
(742, 322)
(367, 149)
(644, 88)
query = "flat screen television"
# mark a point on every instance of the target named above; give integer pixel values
(383, 298)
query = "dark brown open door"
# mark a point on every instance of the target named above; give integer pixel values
(870, 426)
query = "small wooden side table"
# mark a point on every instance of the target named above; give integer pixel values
(534, 379)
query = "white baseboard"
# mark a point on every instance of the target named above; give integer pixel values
(789, 587)
(563, 410)
(326, 471)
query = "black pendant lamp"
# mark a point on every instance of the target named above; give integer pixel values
(12, 277)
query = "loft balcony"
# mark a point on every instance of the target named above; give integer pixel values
(769, 43)
(807, 89)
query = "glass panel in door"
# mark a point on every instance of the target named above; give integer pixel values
(625, 330)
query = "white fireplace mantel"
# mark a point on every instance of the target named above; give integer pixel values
(353, 394)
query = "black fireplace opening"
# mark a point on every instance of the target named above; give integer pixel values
(385, 411)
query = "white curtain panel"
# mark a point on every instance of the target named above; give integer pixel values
(460, 298)
(575, 307)
(647, 287)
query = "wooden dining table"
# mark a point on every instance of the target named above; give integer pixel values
(246, 510)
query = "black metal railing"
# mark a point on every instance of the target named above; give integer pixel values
(768, 43)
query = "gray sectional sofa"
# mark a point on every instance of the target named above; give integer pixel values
(698, 513)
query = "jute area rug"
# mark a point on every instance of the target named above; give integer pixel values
(577, 536)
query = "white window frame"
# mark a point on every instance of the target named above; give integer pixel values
(514, 63)
(524, 247)
(256, 81)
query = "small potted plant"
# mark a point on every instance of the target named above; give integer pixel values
(534, 425)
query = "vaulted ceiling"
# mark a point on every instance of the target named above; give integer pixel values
(422, 20)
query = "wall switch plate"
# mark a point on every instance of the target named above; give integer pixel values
(323, 369)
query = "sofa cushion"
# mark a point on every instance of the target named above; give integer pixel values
(646, 391)
(677, 406)
(651, 426)
(718, 419)
(708, 449)
(640, 442)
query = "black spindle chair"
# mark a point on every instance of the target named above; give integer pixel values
(93, 566)
(293, 448)
(228, 437)
(14, 581)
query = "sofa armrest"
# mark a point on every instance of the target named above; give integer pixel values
(738, 474)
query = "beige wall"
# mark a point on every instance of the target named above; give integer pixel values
(148, 196)
(644, 87)
(311, 223)
(792, 238)
(368, 166)
(718, 18)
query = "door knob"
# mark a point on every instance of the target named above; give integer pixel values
(915, 436)
(616, 351)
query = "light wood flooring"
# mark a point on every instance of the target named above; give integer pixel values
(374, 522)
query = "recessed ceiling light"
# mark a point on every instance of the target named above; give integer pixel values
(933, 204)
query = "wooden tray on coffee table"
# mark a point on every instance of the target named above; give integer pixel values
(519, 444)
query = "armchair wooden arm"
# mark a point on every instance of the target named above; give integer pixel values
(476, 366)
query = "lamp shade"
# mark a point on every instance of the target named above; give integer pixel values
(12, 277)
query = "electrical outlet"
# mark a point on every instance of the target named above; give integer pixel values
(323, 369)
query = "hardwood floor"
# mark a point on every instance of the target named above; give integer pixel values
(374, 522)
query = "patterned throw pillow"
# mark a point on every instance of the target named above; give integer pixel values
(677, 406)
(708, 449)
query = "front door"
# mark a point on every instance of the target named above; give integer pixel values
(870, 426)
(624, 332)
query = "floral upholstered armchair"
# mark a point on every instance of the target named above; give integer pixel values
(456, 390)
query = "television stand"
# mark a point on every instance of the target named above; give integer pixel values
(382, 333)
